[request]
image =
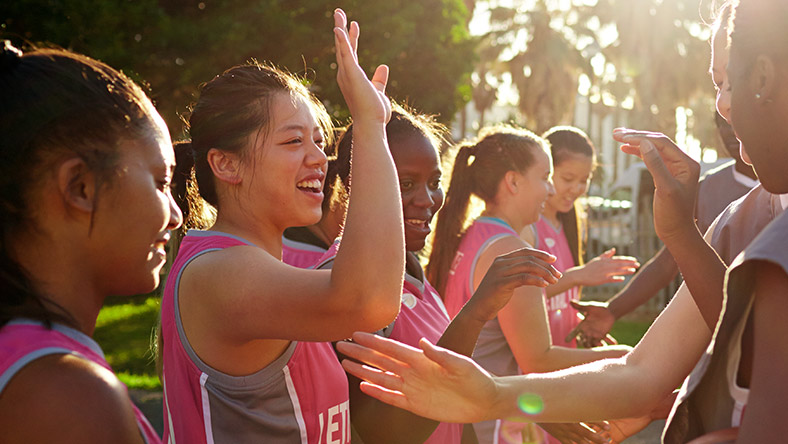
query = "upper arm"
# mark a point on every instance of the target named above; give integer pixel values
(764, 418)
(66, 399)
(524, 319)
(246, 294)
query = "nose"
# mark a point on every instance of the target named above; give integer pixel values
(423, 198)
(550, 188)
(176, 217)
(316, 156)
(724, 101)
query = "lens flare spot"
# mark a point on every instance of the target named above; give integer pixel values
(530, 403)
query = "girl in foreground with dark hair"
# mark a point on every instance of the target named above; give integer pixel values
(86, 212)
(243, 352)
(561, 229)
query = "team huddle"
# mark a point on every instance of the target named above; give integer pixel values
(309, 300)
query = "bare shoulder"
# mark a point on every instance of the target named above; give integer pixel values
(503, 245)
(67, 399)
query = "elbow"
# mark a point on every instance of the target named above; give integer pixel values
(377, 309)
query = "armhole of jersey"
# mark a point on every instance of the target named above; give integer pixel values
(485, 246)
(20, 363)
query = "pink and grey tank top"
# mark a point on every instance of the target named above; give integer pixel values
(422, 315)
(301, 397)
(301, 254)
(562, 316)
(22, 341)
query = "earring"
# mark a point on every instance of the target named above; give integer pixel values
(758, 96)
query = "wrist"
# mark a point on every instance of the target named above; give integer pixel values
(472, 316)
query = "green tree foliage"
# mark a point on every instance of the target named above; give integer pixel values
(174, 45)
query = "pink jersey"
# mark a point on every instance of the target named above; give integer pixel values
(459, 285)
(301, 397)
(421, 315)
(563, 317)
(300, 254)
(22, 341)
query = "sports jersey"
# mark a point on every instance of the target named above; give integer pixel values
(301, 248)
(710, 398)
(716, 189)
(421, 315)
(300, 397)
(22, 341)
(562, 316)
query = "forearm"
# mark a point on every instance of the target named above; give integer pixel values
(567, 281)
(463, 331)
(371, 259)
(557, 358)
(655, 275)
(703, 272)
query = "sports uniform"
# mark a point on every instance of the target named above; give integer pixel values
(301, 248)
(422, 315)
(562, 316)
(301, 397)
(22, 341)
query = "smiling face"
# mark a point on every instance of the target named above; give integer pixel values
(419, 172)
(284, 178)
(536, 187)
(134, 214)
(571, 178)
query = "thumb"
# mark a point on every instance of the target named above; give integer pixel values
(654, 163)
(381, 78)
(609, 253)
(579, 306)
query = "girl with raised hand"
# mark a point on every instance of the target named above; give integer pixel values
(757, 282)
(560, 230)
(85, 211)
(509, 169)
(413, 141)
(236, 321)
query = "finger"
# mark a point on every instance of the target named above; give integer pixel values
(366, 373)
(354, 33)
(530, 252)
(655, 164)
(370, 356)
(609, 253)
(444, 358)
(388, 347)
(340, 18)
(631, 149)
(380, 78)
(610, 340)
(572, 334)
(338, 44)
(536, 268)
(580, 306)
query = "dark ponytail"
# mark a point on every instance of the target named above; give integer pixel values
(478, 170)
(54, 104)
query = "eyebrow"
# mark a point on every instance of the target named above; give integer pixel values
(295, 127)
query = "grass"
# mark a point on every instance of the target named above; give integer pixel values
(124, 330)
(125, 327)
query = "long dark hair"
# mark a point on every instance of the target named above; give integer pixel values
(232, 107)
(479, 167)
(55, 103)
(566, 141)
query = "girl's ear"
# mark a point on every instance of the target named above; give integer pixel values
(77, 185)
(225, 166)
(763, 79)
(510, 181)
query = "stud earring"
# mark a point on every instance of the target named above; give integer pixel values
(758, 96)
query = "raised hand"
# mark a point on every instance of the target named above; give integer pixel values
(365, 98)
(423, 381)
(675, 179)
(596, 324)
(526, 266)
(606, 268)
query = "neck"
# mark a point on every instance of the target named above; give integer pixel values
(551, 214)
(57, 270)
(745, 169)
(505, 214)
(260, 232)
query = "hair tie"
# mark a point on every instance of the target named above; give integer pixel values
(9, 57)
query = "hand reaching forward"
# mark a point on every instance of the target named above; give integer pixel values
(365, 98)
(423, 381)
(675, 179)
(595, 326)
(526, 266)
(606, 268)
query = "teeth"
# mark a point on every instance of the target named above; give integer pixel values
(313, 183)
(416, 221)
